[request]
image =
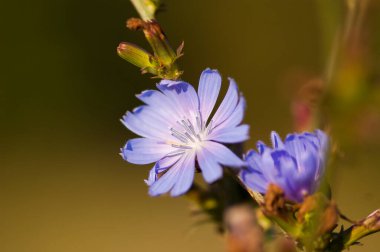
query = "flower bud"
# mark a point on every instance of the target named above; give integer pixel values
(137, 56)
(159, 43)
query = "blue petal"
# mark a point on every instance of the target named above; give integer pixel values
(211, 170)
(146, 123)
(261, 147)
(228, 104)
(161, 104)
(236, 117)
(283, 162)
(185, 175)
(295, 146)
(323, 139)
(268, 169)
(309, 163)
(276, 140)
(165, 163)
(132, 122)
(222, 154)
(177, 86)
(254, 161)
(183, 96)
(152, 177)
(145, 151)
(208, 91)
(165, 183)
(230, 135)
(254, 180)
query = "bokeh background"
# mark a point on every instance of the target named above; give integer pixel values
(63, 185)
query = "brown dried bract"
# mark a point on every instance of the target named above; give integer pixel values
(154, 29)
(329, 218)
(136, 24)
(274, 201)
(325, 208)
(308, 205)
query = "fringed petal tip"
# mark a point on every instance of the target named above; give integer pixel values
(276, 140)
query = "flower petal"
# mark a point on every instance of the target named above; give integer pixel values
(236, 117)
(183, 96)
(145, 150)
(144, 122)
(254, 180)
(165, 183)
(254, 160)
(228, 104)
(165, 163)
(276, 140)
(185, 175)
(178, 178)
(152, 177)
(211, 170)
(161, 104)
(230, 135)
(208, 91)
(222, 154)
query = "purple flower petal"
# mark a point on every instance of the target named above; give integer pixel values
(165, 163)
(230, 135)
(185, 175)
(178, 178)
(211, 170)
(144, 123)
(152, 177)
(165, 183)
(208, 91)
(145, 150)
(228, 104)
(236, 116)
(182, 94)
(161, 104)
(222, 154)
(276, 140)
(256, 181)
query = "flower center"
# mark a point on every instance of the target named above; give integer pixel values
(190, 133)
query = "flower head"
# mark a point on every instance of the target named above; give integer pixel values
(296, 165)
(177, 131)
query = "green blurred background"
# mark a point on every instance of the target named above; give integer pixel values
(63, 185)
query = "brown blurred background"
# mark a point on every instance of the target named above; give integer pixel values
(63, 186)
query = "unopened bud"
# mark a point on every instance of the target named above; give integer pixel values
(159, 43)
(137, 56)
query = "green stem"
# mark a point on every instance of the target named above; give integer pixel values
(145, 8)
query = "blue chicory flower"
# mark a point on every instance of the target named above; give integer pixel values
(177, 131)
(296, 165)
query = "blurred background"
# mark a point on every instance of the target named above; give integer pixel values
(63, 89)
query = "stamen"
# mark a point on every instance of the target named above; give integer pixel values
(188, 136)
(188, 133)
(179, 135)
(185, 126)
(191, 127)
(181, 146)
(199, 123)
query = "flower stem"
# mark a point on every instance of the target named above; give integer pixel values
(145, 8)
